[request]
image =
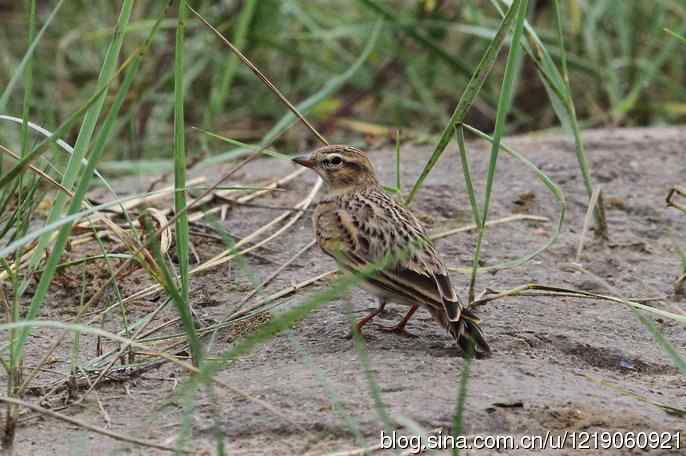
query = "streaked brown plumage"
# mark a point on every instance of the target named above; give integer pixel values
(360, 225)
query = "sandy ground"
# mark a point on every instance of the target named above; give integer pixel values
(557, 363)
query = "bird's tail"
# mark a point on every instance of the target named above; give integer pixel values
(465, 330)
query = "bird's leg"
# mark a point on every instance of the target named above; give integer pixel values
(358, 326)
(400, 327)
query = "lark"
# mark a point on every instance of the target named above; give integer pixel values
(373, 236)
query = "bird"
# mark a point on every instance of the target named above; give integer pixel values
(384, 244)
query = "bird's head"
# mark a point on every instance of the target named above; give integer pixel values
(341, 167)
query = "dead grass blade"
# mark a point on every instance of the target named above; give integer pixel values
(593, 201)
(500, 221)
(535, 289)
(227, 255)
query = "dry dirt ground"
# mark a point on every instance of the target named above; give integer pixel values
(550, 355)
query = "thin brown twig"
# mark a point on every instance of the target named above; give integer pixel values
(680, 280)
(244, 199)
(260, 206)
(149, 199)
(214, 237)
(207, 228)
(261, 76)
(38, 171)
(276, 184)
(263, 302)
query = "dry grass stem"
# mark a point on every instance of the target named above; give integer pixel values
(588, 219)
(471, 227)
(261, 76)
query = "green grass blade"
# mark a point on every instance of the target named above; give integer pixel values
(180, 302)
(374, 390)
(678, 359)
(468, 96)
(397, 161)
(504, 103)
(87, 128)
(70, 175)
(293, 315)
(456, 63)
(182, 234)
(104, 134)
(62, 130)
(337, 405)
(554, 189)
(557, 84)
(22, 198)
(458, 418)
(28, 82)
(320, 34)
(573, 123)
(646, 76)
(464, 161)
(676, 35)
(52, 138)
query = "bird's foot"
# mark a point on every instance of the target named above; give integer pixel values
(357, 327)
(396, 329)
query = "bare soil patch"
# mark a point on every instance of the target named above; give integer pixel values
(549, 354)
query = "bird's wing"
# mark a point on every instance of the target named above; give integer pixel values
(377, 227)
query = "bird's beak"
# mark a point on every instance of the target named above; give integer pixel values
(304, 160)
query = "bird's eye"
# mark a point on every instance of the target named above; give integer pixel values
(333, 162)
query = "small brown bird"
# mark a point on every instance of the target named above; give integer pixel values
(361, 226)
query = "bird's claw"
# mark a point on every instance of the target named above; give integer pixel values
(396, 329)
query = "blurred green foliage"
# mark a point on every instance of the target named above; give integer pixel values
(625, 69)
